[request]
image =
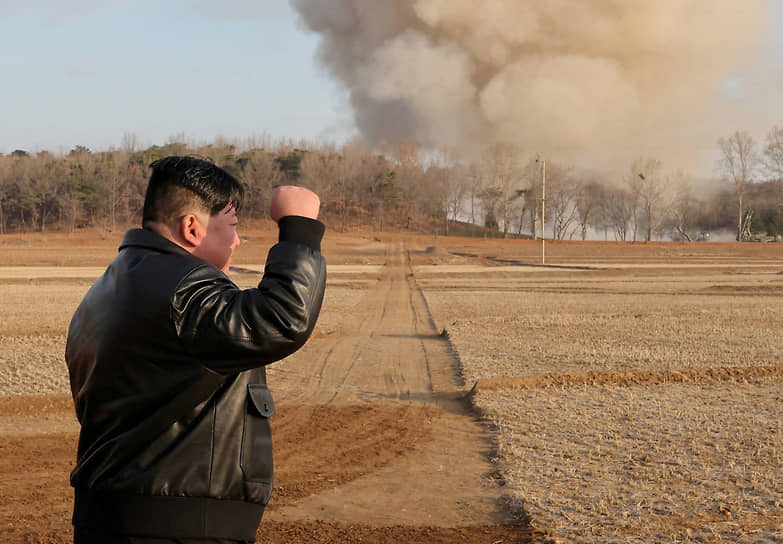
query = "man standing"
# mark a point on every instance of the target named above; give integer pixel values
(166, 359)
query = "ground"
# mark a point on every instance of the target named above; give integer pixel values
(380, 432)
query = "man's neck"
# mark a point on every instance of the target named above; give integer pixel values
(165, 231)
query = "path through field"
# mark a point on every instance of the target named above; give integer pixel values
(374, 440)
(388, 356)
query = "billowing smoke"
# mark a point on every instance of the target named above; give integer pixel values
(596, 81)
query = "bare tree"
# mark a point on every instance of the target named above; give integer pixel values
(5, 167)
(618, 209)
(649, 192)
(490, 202)
(333, 173)
(353, 172)
(562, 196)
(631, 201)
(682, 209)
(588, 205)
(400, 183)
(130, 143)
(261, 175)
(738, 163)
(475, 184)
(532, 175)
(114, 178)
(773, 158)
(446, 187)
(456, 184)
(502, 166)
(459, 187)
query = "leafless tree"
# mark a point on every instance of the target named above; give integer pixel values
(682, 208)
(130, 143)
(475, 184)
(588, 205)
(398, 181)
(738, 163)
(446, 187)
(562, 197)
(4, 171)
(618, 208)
(531, 206)
(503, 169)
(261, 175)
(332, 172)
(457, 182)
(773, 158)
(649, 191)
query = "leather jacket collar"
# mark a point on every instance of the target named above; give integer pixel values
(151, 240)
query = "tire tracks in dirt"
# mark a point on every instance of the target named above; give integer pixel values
(387, 353)
(374, 440)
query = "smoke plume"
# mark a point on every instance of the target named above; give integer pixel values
(580, 80)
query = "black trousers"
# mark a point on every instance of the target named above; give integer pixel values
(88, 536)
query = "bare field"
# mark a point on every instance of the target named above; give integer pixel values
(628, 392)
(669, 463)
(32, 335)
(555, 355)
(507, 327)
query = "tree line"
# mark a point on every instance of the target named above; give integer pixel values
(398, 186)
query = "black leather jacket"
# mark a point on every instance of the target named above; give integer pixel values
(166, 359)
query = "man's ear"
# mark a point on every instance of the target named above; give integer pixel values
(192, 230)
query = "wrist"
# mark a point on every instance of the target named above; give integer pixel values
(303, 230)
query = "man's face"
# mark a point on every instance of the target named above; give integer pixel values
(221, 239)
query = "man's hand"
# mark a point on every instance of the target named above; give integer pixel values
(292, 200)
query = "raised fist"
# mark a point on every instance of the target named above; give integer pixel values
(292, 200)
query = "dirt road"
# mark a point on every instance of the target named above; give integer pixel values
(374, 440)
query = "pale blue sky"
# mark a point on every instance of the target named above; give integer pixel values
(86, 72)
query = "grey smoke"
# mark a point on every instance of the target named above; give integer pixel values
(596, 81)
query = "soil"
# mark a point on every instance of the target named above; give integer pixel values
(376, 436)
(375, 439)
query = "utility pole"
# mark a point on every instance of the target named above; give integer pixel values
(543, 210)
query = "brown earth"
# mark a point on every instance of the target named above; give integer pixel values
(652, 377)
(375, 440)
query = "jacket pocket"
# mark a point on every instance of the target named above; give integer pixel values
(256, 454)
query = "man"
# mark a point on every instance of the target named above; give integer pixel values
(166, 360)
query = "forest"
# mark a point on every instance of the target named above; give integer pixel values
(501, 193)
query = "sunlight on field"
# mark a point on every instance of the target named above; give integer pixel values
(38, 303)
(691, 462)
(521, 327)
(694, 461)
(35, 319)
(645, 464)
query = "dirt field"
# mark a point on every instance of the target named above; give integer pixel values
(457, 391)
(636, 393)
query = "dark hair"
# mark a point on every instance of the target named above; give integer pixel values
(179, 184)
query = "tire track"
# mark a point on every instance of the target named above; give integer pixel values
(390, 354)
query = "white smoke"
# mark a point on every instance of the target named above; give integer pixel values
(583, 80)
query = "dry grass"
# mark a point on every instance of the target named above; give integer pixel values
(32, 334)
(37, 313)
(698, 461)
(645, 464)
(519, 327)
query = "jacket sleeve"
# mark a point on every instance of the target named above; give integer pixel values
(230, 329)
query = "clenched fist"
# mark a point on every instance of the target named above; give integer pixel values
(292, 200)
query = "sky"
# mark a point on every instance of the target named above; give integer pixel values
(86, 73)
(90, 72)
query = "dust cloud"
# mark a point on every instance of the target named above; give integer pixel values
(596, 82)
